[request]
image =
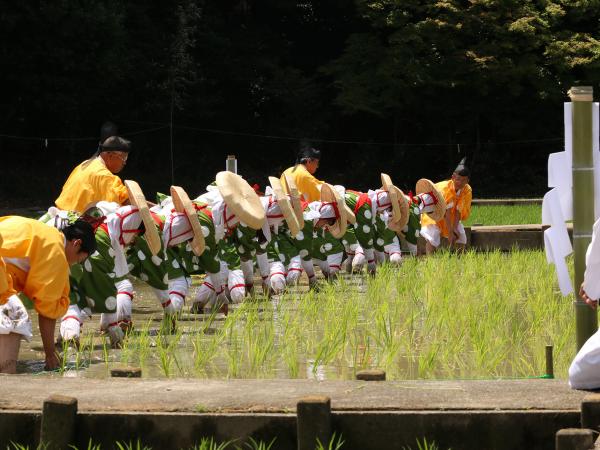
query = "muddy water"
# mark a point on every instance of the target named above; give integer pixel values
(163, 355)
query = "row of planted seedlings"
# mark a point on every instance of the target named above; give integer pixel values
(475, 315)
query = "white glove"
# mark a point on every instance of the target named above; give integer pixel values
(70, 325)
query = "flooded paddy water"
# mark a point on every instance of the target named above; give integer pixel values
(486, 315)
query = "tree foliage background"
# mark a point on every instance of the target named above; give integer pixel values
(403, 86)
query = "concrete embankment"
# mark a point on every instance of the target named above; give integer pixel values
(165, 414)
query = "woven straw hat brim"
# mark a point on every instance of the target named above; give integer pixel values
(425, 186)
(286, 206)
(292, 189)
(241, 199)
(137, 199)
(330, 195)
(183, 204)
(398, 200)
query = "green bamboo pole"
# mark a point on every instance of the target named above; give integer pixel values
(583, 203)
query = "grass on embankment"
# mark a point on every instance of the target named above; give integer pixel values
(505, 215)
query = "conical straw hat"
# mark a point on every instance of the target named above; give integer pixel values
(291, 188)
(399, 217)
(137, 199)
(286, 206)
(241, 199)
(330, 195)
(183, 204)
(425, 186)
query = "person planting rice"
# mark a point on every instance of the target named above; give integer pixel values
(234, 206)
(302, 173)
(278, 258)
(330, 219)
(34, 262)
(100, 284)
(376, 212)
(95, 179)
(457, 196)
(177, 223)
(584, 372)
(428, 201)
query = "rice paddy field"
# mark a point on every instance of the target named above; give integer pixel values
(449, 316)
(504, 215)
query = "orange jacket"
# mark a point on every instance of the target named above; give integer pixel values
(33, 261)
(89, 183)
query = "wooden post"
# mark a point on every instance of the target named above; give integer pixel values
(313, 422)
(583, 203)
(549, 361)
(58, 422)
(574, 439)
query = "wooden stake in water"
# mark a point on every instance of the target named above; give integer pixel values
(583, 203)
(549, 362)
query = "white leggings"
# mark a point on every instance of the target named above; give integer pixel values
(332, 265)
(173, 298)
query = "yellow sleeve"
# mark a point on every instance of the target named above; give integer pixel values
(111, 189)
(309, 186)
(464, 202)
(48, 279)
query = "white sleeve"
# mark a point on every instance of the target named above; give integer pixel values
(591, 279)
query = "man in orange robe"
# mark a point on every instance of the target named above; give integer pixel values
(307, 164)
(95, 179)
(458, 195)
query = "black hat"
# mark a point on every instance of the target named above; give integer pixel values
(462, 168)
(307, 152)
(115, 144)
(107, 130)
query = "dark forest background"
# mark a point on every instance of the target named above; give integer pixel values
(403, 86)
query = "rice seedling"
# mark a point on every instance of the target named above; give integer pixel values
(253, 444)
(448, 316)
(90, 446)
(210, 444)
(132, 446)
(16, 446)
(423, 445)
(167, 352)
(335, 443)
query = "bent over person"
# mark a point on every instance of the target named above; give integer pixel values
(34, 266)
(95, 179)
(457, 195)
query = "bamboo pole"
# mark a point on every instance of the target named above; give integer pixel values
(583, 203)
